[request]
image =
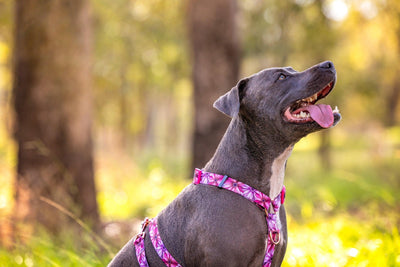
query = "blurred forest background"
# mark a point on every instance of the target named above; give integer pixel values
(106, 107)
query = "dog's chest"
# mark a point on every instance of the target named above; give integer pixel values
(278, 172)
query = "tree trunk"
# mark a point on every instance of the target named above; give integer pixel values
(324, 150)
(392, 102)
(53, 103)
(215, 56)
(393, 95)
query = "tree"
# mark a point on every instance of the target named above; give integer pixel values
(325, 40)
(393, 95)
(215, 55)
(318, 38)
(53, 104)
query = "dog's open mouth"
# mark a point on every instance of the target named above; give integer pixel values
(305, 110)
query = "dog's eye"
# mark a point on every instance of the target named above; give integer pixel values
(282, 77)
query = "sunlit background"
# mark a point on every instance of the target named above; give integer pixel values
(343, 209)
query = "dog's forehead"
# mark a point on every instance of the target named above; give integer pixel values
(271, 71)
(270, 75)
(290, 70)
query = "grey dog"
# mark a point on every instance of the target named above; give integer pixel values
(271, 111)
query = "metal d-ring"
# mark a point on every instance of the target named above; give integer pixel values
(272, 239)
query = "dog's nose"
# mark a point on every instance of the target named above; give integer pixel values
(326, 65)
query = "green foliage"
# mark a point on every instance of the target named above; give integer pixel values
(343, 240)
(43, 250)
(140, 66)
(128, 190)
(348, 216)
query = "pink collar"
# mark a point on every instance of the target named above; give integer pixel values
(269, 206)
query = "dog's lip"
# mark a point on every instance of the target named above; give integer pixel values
(294, 112)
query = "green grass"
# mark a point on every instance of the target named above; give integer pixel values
(43, 250)
(348, 216)
(343, 240)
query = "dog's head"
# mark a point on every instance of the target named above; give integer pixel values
(284, 100)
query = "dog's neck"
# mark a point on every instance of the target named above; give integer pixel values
(255, 159)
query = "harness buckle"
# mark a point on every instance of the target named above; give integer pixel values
(140, 236)
(144, 224)
(277, 238)
(222, 181)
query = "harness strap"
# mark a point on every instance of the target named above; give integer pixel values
(158, 245)
(139, 245)
(263, 201)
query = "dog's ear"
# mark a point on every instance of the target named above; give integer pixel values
(229, 103)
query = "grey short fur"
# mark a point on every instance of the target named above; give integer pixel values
(206, 226)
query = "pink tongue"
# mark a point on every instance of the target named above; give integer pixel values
(322, 114)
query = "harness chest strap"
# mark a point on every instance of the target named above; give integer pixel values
(158, 245)
(269, 206)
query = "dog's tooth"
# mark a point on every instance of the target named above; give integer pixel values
(315, 97)
(311, 98)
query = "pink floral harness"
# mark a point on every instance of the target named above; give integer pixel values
(269, 206)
